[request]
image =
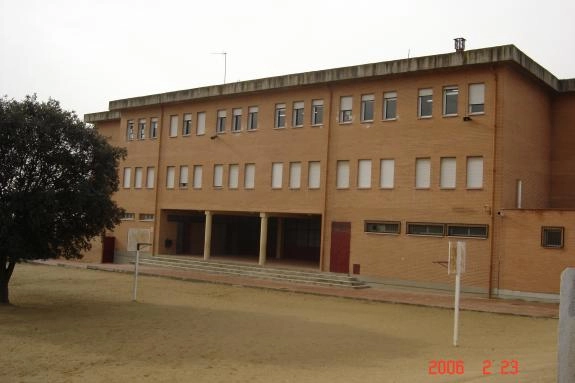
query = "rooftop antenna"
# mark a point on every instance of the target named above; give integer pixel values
(225, 54)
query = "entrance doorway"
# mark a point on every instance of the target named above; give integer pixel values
(339, 253)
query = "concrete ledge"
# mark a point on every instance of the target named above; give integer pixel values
(102, 116)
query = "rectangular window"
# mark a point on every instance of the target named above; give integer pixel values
(218, 176)
(173, 126)
(476, 98)
(425, 103)
(447, 176)
(250, 176)
(221, 121)
(130, 130)
(234, 176)
(277, 175)
(314, 175)
(142, 129)
(434, 229)
(474, 172)
(201, 126)
(154, 127)
(187, 127)
(367, 102)
(237, 120)
(422, 173)
(472, 231)
(127, 177)
(146, 217)
(342, 175)
(170, 177)
(317, 112)
(253, 118)
(390, 105)
(552, 237)
(138, 177)
(387, 174)
(198, 173)
(364, 174)
(345, 109)
(382, 227)
(450, 97)
(150, 177)
(280, 116)
(128, 216)
(183, 176)
(295, 175)
(298, 109)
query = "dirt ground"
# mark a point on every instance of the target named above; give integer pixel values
(71, 325)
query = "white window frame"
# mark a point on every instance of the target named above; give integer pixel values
(280, 116)
(367, 101)
(130, 134)
(448, 173)
(174, 125)
(450, 92)
(138, 177)
(250, 176)
(170, 177)
(187, 124)
(236, 120)
(154, 127)
(127, 181)
(142, 129)
(233, 176)
(475, 171)
(346, 109)
(253, 118)
(298, 114)
(317, 112)
(423, 173)
(277, 175)
(387, 173)
(476, 98)
(218, 176)
(389, 97)
(314, 175)
(184, 177)
(295, 175)
(425, 96)
(364, 174)
(198, 175)
(342, 174)
(201, 123)
(150, 177)
(221, 121)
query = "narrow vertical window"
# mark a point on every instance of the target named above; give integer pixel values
(142, 129)
(474, 172)
(218, 175)
(314, 175)
(253, 118)
(277, 175)
(519, 196)
(250, 176)
(198, 173)
(154, 127)
(448, 171)
(150, 177)
(187, 127)
(367, 102)
(127, 177)
(317, 112)
(237, 120)
(298, 109)
(201, 126)
(170, 177)
(173, 126)
(138, 177)
(295, 175)
(130, 130)
(345, 109)
(425, 103)
(422, 173)
(234, 175)
(364, 174)
(387, 174)
(390, 105)
(476, 98)
(183, 176)
(221, 121)
(280, 116)
(450, 97)
(342, 175)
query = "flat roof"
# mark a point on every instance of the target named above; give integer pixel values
(504, 53)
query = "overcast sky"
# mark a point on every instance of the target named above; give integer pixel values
(86, 53)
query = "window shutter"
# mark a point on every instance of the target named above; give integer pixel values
(364, 174)
(387, 175)
(314, 175)
(277, 175)
(138, 177)
(477, 94)
(295, 175)
(422, 173)
(150, 177)
(250, 176)
(201, 123)
(183, 175)
(170, 177)
(198, 172)
(346, 103)
(475, 172)
(234, 176)
(448, 172)
(342, 177)
(218, 175)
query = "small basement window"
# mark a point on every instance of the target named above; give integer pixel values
(552, 237)
(434, 229)
(382, 227)
(473, 231)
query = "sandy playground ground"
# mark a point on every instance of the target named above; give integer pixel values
(71, 325)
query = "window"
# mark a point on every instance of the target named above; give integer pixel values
(187, 127)
(317, 112)
(142, 129)
(173, 126)
(253, 118)
(476, 98)
(425, 103)
(154, 128)
(342, 175)
(345, 109)
(234, 175)
(297, 118)
(552, 237)
(170, 177)
(138, 177)
(422, 173)
(314, 175)
(474, 172)
(150, 177)
(183, 176)
(249, 176)
(387, 174)
(435, 229)
(518, 194)
(221, 121)
(390, 105)
(128, 216)
(280, 117)
(367, 101)
(448, 173)
(146, 217)
(364, 174)
(450, 96)
(201, 126)
(277, 175)
(295, 175)
(198, 172)
(130, 130)
(237, 120)
(473, 231)
(382, 227)
(127, 177)
(218, 176)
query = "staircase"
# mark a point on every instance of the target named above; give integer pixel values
(254, 271)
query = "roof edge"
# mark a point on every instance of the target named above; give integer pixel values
(102, 116)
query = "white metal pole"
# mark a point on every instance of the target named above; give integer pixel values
(136, 267)
(456, 309)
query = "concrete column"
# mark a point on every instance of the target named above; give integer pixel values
(280, 239)
(263, 237)
(208, 235)
(566, 339)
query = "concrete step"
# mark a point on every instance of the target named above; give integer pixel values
(255, 271)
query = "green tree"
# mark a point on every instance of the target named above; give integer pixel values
(57, 176)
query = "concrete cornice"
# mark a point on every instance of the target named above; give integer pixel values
(102, 116)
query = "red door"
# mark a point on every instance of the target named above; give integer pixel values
(339, 253)
(108, 249)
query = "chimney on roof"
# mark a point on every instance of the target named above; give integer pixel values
(459, 44)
